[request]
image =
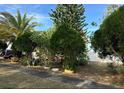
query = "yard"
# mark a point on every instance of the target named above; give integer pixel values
(13, 78)
(17, 76)
(56, 55)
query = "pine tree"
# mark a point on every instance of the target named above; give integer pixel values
(69, 37)
(71, 14)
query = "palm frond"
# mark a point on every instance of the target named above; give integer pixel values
(19, 19)
(10, 18)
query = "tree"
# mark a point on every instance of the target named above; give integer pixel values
(24, 44)
(6, 33)
(68, 42)
(13, 27)
(110, 9)
(42, 39)
(72, 14)
(16, 25)
(109, 39)
(69, 37)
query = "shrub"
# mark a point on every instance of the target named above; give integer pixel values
(45, 60)
(83, 59)
(112, 68)
(42, 39)
(24, 43)
(121, 70)
(25, 60)
(69, 43)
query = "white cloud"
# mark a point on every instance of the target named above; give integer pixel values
(12, 8)
(38, 16)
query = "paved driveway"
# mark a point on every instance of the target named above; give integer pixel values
(14, 76)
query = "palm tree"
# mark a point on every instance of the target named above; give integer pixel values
(11, 25)
(15, 26)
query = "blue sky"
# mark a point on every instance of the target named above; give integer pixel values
(41, 12)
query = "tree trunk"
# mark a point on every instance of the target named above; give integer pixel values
(121, 58)
(69, 61)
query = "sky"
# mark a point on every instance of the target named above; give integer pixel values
(93, 13)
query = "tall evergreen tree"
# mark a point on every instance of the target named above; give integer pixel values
(68, 38)
(72, 14)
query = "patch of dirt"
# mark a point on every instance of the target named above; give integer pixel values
(98, 72)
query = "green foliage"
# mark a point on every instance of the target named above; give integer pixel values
(16, 25)
(110, 9)
(100, 44)
(68, 42)
(42, 39)
(121, 70)
(25, 60)
(82, 59)
(113, 69)
(3, 45)
(109, 39)
(72, 14)
(94, 24)
(69, 37)
(24, 43)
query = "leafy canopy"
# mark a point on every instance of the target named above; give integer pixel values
(16, 25)
(109, 39)
(24, 43)
(68, 38)
(72, 14)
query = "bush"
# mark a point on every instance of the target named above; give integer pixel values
(24, 43)
(112, 68)
(45, 60)
(83, 59)
(121, 70)
(25, 61)
(69, 43)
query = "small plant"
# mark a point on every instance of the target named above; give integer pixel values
(112, 68)
(25, 61)
(45, 60)
(122, 70)
(82, 59)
